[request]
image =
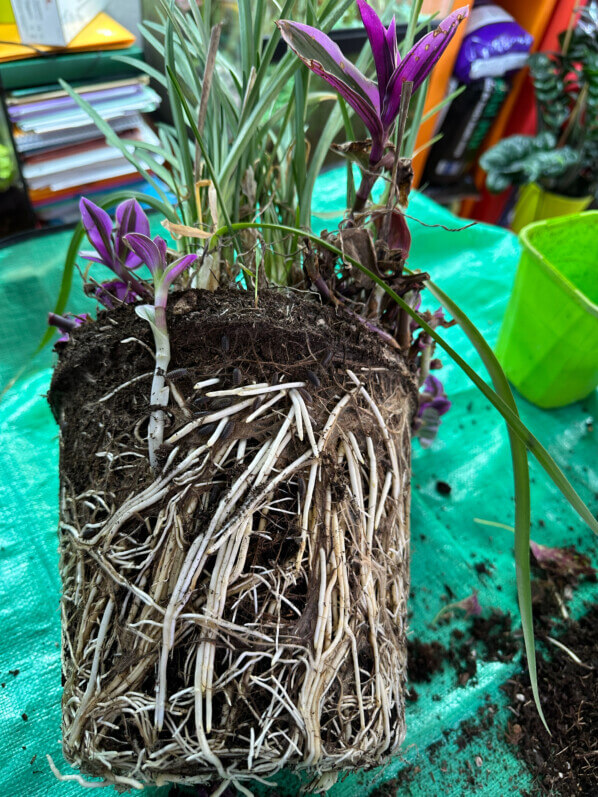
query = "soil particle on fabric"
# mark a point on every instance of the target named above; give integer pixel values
(478, 726)
(483, 568)
(444, 488)
(424, 659)
(565, 763)
(389, 789)
(488, 638)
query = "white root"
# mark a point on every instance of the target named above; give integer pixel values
(261, 580)
(123, 386)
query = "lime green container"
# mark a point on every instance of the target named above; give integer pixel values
(548, 342)
(535, 203)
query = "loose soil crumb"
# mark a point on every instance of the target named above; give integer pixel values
(567, 762)
(388, 789)
(424, 659)
(489, 638)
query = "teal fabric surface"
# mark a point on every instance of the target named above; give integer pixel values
(476, 267)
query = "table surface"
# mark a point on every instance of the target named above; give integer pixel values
(476, 267)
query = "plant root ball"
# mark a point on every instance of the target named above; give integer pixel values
(242, 609)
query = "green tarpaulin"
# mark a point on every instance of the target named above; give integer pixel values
(476, 267)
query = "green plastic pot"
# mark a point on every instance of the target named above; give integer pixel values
(535, 204)
(548, 342)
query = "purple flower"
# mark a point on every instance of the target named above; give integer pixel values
(377, 104)
(433, 403)
(106, 239)
(153, 254)
(433, 396)
(109, 241)
(66, 324)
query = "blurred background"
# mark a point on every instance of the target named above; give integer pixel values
(481, 94)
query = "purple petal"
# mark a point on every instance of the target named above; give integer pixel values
(129, 218)
(162, 246)
(98, 226)
(315, 47)
(419, 62)
(146, 250)
(379, 43)
(177, 268)
(433, 386)
(391, 40)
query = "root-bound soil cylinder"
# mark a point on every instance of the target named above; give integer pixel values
(242, 609)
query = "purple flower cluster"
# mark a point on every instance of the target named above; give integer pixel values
(433, 405)
(123, 246)
(433, 396)
(110, 249)
(377, 104)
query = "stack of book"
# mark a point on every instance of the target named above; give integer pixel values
(63, 155)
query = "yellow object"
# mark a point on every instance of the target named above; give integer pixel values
(535, 204)
(6, 15)
(102, 33)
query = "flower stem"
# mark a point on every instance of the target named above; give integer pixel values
(160, 392)
(362, 194)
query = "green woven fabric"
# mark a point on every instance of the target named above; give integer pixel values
(476, 267)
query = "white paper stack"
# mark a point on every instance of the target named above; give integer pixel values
(63, 153)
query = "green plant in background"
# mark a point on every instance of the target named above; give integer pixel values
(563, 156)
(7, 167)
(236, 160)
(519, 160)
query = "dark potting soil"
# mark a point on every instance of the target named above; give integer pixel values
(423, 660)
(286, 333)
(289, 335)
(565, 763)
(488, 637)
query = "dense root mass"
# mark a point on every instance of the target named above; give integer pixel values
(244, 609)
